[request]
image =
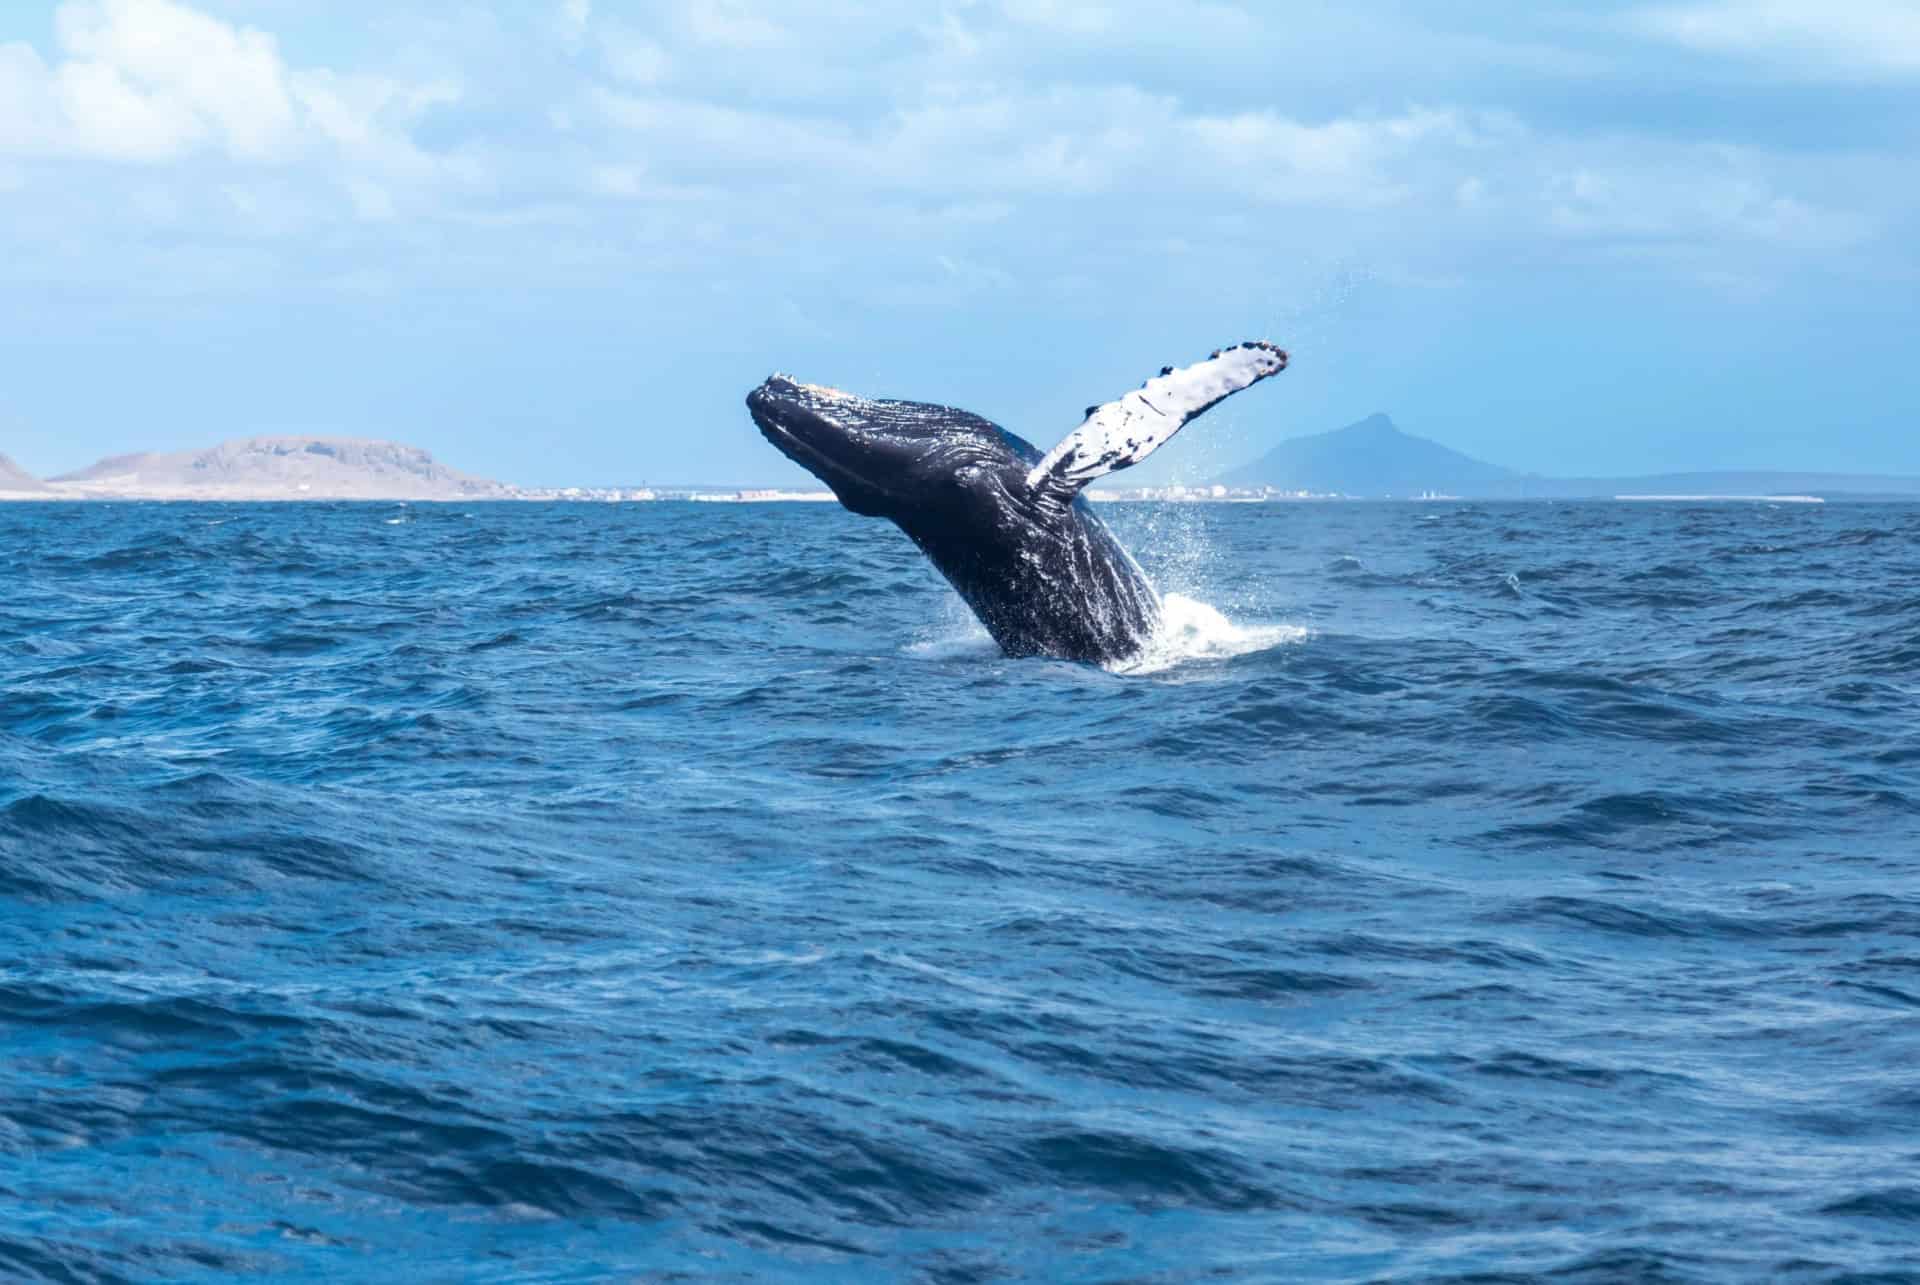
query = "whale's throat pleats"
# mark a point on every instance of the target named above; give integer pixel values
(1125, 431)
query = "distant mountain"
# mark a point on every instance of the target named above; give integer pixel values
(1373, 457)
(15, 480)
(280, 468)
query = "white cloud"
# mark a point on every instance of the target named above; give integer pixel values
(625, 181)
(154, 81)
(968, 141)
(370, 201)
(26, 99)
(1355, 161)
(950, 37)
(633, 58)
(137, 61)
(365, 119)
(1433, 186)
(1011, 133)
(87, 108)
(705, 138)
(1690, 199)
(1861, 37)
(102, 113)
(1073, 17)
(970, 276)
(728, 23)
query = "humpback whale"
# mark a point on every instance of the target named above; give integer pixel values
(1008, 525)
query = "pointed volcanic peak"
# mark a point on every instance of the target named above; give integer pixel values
(15, 480)
(281, 468)
(1371, 458)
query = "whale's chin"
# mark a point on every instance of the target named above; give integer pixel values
(791, 430)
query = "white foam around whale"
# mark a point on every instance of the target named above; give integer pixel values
(1190, 630)
(1193, 630)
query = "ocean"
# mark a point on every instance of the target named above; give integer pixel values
(690, 891)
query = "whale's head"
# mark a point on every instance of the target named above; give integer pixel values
(891, 459)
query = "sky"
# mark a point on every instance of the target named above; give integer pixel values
(557, 241)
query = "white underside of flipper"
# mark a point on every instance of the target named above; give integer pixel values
(1121, 433)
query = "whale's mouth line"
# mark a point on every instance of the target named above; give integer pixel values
(792, 445)
(842, 480)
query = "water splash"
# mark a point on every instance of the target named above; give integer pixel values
(1192, 630)
(965, 642)
(955, 634)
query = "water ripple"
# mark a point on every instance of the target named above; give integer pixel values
(1464, 892)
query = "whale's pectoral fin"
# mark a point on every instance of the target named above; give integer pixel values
(1122, 433)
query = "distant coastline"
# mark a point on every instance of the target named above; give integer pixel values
(329, 469)
(1370, 460)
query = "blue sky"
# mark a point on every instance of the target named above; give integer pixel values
(556, 241)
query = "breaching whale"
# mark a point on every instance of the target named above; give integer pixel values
(1006, 525)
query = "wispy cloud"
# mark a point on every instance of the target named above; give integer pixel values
(737, 130)
(1850, 38)
(509, 215)
(153, 81)
(631, 57)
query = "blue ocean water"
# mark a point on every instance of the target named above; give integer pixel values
(519, 892)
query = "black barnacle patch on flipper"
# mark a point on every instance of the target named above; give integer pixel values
(1121, 433)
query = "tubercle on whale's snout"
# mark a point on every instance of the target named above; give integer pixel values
(769, 388)
(766, 408)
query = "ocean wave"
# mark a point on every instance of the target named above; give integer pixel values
(1495, 893)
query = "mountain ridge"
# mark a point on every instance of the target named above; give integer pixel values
(1375, 458)
(15, 480)
(278, 467)
(1372, 456)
